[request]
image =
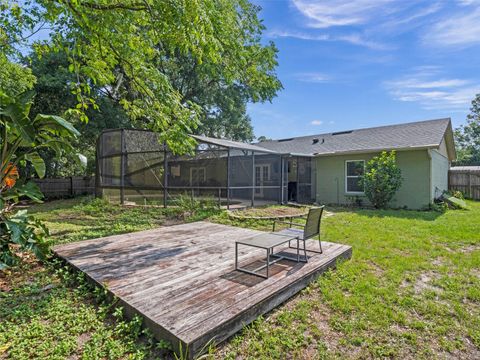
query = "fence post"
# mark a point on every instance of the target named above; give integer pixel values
(165, 175)
(253, 179)
(72, 191)
(122, 167)
(470, 192)
(228, 179)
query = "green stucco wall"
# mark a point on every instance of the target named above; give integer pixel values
(415, 192)
(440, 166)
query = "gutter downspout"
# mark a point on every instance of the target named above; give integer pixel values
(432, 195)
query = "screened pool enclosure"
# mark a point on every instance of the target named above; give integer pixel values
(134, 167)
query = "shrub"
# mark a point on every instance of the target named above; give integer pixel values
(382, 179)
(21, 137)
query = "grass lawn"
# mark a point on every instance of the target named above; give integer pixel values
(411, 290)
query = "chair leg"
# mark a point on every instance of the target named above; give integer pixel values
(305, 250)
(320, 246)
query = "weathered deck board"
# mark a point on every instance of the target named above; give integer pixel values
(181, 278)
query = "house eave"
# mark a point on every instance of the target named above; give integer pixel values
(376, 150)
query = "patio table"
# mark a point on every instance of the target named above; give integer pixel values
(268, 242)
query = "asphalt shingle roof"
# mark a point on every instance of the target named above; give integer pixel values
(422, 134)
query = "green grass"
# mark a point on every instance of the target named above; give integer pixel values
(411, 290)
(46, 312)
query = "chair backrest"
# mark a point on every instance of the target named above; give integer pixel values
(312, 227)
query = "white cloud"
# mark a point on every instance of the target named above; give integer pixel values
(458, 29)
(467, 2)
(354, 39)
(427, 87)
(327, 13)
(313, 77)
(316, 122)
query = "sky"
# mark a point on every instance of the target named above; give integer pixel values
(354, 64)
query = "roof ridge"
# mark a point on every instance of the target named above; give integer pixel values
(358, 129)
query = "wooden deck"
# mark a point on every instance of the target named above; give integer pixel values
(181, 278)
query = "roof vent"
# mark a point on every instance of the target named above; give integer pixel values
(342, 132)
(316, 141)
(283, 140)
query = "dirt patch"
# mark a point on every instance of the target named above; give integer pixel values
(271, 212)
(377, 270)
(170, 221)
(424, 282)
(470, 248)
(438, 262)
(469, 352)
(475, 272)
(81, 341)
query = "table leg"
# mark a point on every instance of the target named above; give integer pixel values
(236, 256)
(305, 250)
(268, 261)
(298, 250)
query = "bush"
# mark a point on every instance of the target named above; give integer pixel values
(382, 179)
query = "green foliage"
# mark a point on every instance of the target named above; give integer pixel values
(57, 314)
(382, 179)
(21, 139)
(14, 78)
(130, 48)
(24, 231)
(54, 96)
(439, 206)
(194, 208)
(411, 290)
(467, 137)
(354, 200)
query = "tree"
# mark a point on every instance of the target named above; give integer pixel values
(54, 96)
(263, 138)
(124, 46)
(467, 137)
(21, 139)
(14, 78)
(382, 179)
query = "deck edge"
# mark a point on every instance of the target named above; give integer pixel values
(237, 323)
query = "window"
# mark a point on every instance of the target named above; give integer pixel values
(197, 175)
(354, 170)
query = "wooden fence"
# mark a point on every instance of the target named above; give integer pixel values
(467, 181)
(66, 187)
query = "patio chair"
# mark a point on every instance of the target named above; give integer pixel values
(306, 231)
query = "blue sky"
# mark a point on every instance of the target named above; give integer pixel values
(351, 64)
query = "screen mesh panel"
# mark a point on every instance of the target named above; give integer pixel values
(146, 173)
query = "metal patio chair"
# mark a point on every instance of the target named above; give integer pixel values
(309, 230)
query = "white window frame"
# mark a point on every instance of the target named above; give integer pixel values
(350, 176)
(204, 174)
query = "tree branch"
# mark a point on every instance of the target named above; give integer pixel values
(118, 6)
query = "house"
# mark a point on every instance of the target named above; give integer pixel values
(323, 168)
(424, 152)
